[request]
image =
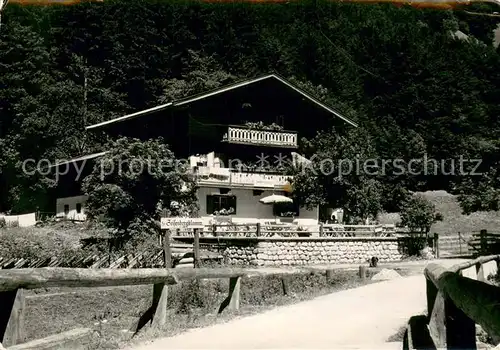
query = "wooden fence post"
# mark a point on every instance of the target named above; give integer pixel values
(431, 293)
(460, 241)
(285, 284)
(196, 248)
(450, 327)
(109, 252)
(436, 245)
(480, 272)
(159, 305)
(156, 314)
(484, 246)
(321, 229)
(329, 275)
(258, 229)
(362, 272)
(167, 251)
(12, 305)
(232, 302)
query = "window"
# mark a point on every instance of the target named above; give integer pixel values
(78, 208)
(286, 209)
(66, 209)
(217, 203)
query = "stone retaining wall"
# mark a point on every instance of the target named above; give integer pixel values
(308, 251)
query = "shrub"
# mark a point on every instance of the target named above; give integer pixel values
(135, 189)
(495, 278)
(3, 223)
(191, 297)
(70, 242)
(413, 244)
(418, 214)
(63, 240)
(36, 243)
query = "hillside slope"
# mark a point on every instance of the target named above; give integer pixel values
(454, 221)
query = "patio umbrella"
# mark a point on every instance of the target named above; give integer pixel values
(275, 198)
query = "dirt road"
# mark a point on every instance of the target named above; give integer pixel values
(361, 318)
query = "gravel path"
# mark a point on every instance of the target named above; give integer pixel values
(360, 318)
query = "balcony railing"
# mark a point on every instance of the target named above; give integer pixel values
(223, 177)
(244, 135)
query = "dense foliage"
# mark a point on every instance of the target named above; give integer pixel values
(333, 179)
(418, 214)
(413, 87)
(132, 183)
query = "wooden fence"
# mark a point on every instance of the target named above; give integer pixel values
(454, 305)
(456, 245)
(485, 243)
(14, 282)
(478, 243)
(209, 252)
(146, 259)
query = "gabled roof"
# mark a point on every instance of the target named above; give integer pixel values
(130, 116)
(221, 90)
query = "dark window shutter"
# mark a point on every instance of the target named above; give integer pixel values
(232, 203)
(210, 205)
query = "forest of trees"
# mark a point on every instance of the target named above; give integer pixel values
(398, 72)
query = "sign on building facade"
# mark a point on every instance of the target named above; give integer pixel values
(181, 223)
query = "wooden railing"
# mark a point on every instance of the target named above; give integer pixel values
(243, 179)
(14, 282)
(455, 304)
(485, 243)
(471, 244)
(291, 230)
(261, 137)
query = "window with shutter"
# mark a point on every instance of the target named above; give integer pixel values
(210, 204)
(286, 209)
(216, 203)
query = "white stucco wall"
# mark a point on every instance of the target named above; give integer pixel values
(248, 207)
(24, 220)
(71, 202)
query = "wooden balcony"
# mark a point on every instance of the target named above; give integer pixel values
(239, 179)
(273, 138)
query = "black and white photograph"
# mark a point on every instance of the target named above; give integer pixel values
(249, 174)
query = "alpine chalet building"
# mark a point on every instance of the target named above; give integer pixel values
(237, 139)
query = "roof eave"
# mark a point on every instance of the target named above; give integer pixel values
(130, 116)
(79, 159)
(313, 99)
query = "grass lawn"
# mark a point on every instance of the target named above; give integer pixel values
(191, 304)
(453, 219)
